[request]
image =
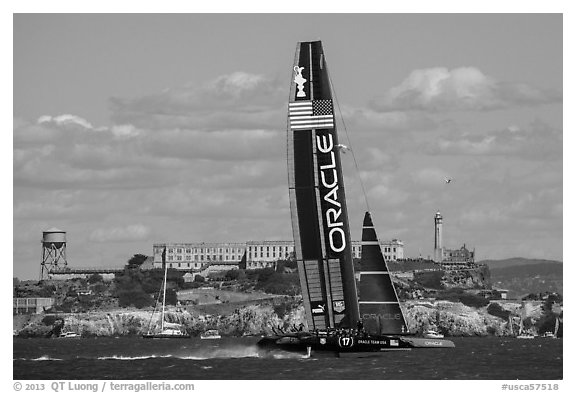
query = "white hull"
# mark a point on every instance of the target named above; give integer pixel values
(432, 334)
(69, 335)
(525, 336)
(210, 335)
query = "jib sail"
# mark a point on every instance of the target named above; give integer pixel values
(379, 306)
(317, 200)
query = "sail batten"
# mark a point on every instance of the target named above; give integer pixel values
(317, 199)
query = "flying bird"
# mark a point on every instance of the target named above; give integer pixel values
(342, 148)
(447, 180)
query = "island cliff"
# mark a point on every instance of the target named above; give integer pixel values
(450, 318)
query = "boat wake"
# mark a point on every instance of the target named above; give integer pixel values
(280, 354)
(42, 358)
(222, 352)
(237, 352)
(121, 357)
(230, 352)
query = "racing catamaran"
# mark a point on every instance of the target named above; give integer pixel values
(337, 320)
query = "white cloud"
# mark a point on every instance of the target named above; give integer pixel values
(221, 145)
(535, 141)
(464, 88)
(371, 120)
(237, 84)
(65, 120)
(128, 233)
(124, 131)
(238, 100)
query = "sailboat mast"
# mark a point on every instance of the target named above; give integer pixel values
(164, 295)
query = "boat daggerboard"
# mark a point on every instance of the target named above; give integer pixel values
(317, 200)
(380, 309)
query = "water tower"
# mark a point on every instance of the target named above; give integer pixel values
(53, 251)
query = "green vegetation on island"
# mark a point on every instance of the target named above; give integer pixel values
(241, 302)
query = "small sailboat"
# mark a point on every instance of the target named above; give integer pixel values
(526, 336)
(167, 329)
(211, 334)
(522, 333)
(553, 334)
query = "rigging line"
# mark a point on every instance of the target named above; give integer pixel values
(155, 308)
(349, 141)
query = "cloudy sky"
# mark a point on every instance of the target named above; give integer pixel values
(135, 129)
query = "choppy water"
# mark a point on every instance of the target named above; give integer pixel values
(239, 358)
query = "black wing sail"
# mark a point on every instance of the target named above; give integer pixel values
(379, 306)
(317, 201)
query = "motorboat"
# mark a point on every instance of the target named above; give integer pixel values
(210, 335)
(432, 334)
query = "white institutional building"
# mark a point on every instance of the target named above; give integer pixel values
(257, 254)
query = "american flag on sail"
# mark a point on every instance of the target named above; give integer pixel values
(311, 114)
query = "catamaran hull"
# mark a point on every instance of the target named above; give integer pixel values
(349, 345)
(418, 342)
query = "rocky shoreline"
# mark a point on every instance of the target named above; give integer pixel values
(451, 319)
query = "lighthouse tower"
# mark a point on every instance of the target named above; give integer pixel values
(438, 249)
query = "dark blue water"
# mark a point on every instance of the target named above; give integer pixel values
(239, 358)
